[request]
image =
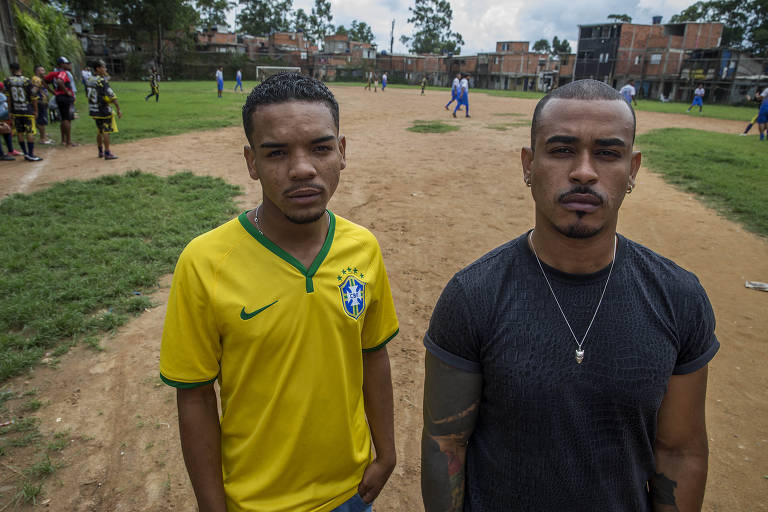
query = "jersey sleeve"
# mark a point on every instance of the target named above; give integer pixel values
(451, 336)
(698, 343)
(191, 346)
(109, 93)
(380, 325)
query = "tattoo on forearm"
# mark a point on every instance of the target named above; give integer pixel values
(663, 490)
(455, 453)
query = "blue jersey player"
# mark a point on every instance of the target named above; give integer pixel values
(454, 90)
(462, 97)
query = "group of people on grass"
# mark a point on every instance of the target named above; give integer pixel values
(220, 80)
(289, 308)
(28, 104)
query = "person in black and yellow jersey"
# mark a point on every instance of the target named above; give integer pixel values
(22, 103)
(101, 97)
(154, 85)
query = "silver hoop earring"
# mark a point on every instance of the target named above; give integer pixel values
(629, 189)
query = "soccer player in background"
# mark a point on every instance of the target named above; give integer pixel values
(762, 114)
(154, 85)
(64, 90)
(698, 98)
(239, 80)
(383, 81)
(628, 92)
(42, 105)
(463, 95)
(423, 84)
(5, 128)
(101, 97)
(289, 308)
(22, 103)
(454, 90)
(220, 80)
(566, 370)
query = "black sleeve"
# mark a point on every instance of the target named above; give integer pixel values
(698, 343)
(452, 336)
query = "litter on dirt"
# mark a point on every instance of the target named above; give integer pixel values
(757, 285)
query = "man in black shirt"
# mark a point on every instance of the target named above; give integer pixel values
(101, 97)
(567, 369)
(22, 102)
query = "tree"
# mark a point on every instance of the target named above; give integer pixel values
(542, 46)
(745, 21)
(213, 12)
(161, 20)
(320, 21)
(261, 17)
(432, 19)
(620, 18)
(45, 35)
(559, 46)
(358, 31)
(301, 21)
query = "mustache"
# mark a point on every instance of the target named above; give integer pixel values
(580, 190)
(316, 188)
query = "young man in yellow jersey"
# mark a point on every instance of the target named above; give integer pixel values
(289, 308)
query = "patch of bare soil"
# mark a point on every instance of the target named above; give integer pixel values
(436, 203)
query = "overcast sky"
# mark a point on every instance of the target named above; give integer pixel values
(483, 22)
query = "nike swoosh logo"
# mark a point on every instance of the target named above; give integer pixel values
(248, 316)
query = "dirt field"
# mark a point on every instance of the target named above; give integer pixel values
(436, 203)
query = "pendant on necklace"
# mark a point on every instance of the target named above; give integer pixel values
(579, 355)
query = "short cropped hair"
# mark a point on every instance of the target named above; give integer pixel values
(586, 90)
(284, 87)
(14, 66)
(98, 63)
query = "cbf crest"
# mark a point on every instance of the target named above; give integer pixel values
(352, 289)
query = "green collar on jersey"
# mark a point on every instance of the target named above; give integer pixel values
(269, 244)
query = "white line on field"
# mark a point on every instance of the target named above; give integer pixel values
(33, 173)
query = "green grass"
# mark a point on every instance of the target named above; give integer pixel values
(183, 107)
(732, 113)
(728, 172)
(28, 494)
(420, 126)
(79, 257)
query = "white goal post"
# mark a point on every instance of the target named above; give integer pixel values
(262, 72)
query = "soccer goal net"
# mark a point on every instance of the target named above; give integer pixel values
(262, 72)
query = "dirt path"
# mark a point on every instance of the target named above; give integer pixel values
(436, 203)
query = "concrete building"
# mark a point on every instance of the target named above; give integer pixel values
(514, 67)
(652, 55)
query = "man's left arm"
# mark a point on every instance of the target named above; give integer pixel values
(379, 409)
(681, 449)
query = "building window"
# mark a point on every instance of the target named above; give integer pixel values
(564, 60)
(504, 47)
(586, 32)
(656, 58)
(637, 60)
(496, 60)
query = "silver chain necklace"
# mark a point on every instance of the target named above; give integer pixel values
(579, 344)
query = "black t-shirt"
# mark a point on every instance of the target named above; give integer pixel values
(552, 434)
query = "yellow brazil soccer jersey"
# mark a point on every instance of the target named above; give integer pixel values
(285, 343)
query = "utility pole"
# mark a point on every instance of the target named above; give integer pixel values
(392, 37)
